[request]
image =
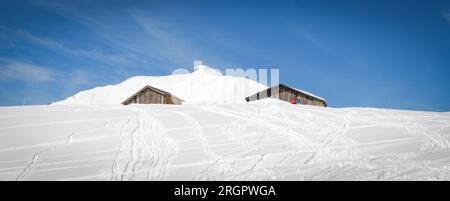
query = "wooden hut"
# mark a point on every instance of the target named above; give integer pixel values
(152, 95)
(288, 94)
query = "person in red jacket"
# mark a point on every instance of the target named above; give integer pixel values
(293, 101)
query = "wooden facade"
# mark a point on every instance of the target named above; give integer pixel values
(152, 95)
(288, 94)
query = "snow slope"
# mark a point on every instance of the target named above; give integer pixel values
(263, 140)
(205, 84)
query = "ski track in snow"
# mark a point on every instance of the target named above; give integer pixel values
(198, 130)
(224, 142)
(141, 155)
(55, 146)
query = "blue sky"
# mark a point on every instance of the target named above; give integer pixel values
(388, 54)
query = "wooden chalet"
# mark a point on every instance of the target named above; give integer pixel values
(152, 95)
(288, 94)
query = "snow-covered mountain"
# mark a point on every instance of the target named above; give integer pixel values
(205, 84)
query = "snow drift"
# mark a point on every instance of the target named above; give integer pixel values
(205, 84)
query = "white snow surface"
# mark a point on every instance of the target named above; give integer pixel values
(262, 140)
(205, 84)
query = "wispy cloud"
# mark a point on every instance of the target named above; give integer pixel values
(142, 40)
(446, 16)
(25, 72)
(60, 47)
(311, 38)
(164, 42)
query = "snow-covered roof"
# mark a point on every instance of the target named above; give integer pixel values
(295, 89)
(305, 92)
